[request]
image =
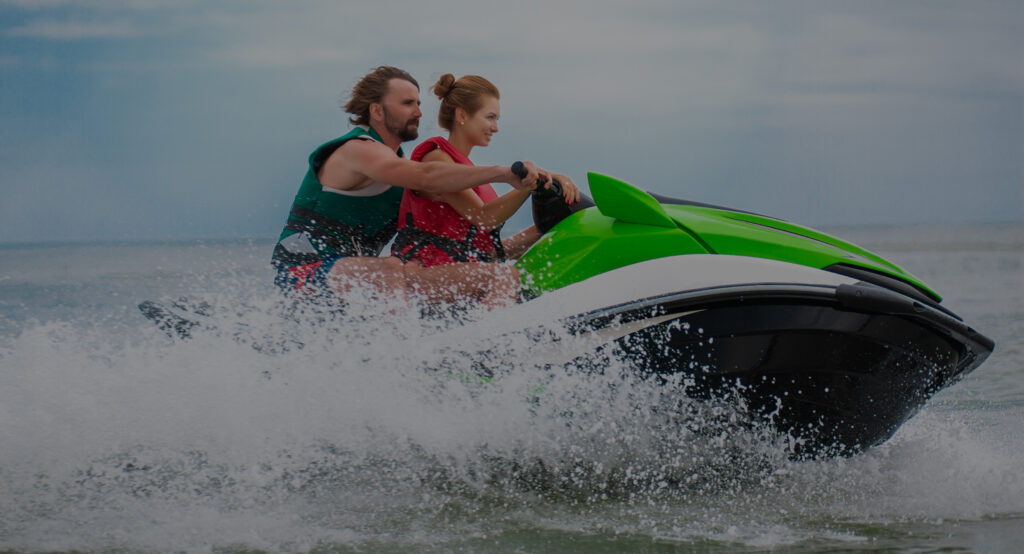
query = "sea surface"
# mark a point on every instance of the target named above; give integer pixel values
(369, 438)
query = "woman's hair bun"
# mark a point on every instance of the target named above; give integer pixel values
(444, 85)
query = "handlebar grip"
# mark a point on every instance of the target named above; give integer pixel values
(518, 169)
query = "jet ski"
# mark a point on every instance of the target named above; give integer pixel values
(821, 339)
(817, 337)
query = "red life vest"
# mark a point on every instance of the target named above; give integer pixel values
(432, 232)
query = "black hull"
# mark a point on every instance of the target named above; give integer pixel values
(838, 369)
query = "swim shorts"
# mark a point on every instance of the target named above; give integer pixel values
(305, 278)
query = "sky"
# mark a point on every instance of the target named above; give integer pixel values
(167, 119)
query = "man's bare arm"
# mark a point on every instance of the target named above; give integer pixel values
(377, 162)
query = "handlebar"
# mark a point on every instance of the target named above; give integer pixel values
(549, 205)
(519, 170)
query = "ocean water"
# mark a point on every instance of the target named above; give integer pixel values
(114, 437)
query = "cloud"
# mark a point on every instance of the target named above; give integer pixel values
(71, 20)
(92, 5)
(260, 55)
(790, 108)
(69, 30)
(34, 4)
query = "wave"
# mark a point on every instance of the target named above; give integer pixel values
(386, 430)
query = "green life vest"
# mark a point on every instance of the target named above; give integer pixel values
(324, 223)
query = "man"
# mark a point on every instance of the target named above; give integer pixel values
(346, 209)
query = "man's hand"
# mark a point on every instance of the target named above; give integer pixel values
(534, 176)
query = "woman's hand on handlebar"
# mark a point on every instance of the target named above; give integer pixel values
(528, 175)
(570, 191)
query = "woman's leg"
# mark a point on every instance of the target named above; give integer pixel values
(492, 285)
(381, 278)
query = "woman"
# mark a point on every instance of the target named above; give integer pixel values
(463, 226)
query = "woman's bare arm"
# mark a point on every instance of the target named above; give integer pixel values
(520, 242)
(466, 202)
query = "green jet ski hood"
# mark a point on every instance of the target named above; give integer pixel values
(629, 226)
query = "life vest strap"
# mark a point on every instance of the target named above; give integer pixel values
(333, 233)
(458, 250)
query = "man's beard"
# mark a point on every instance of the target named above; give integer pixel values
(403, 131)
